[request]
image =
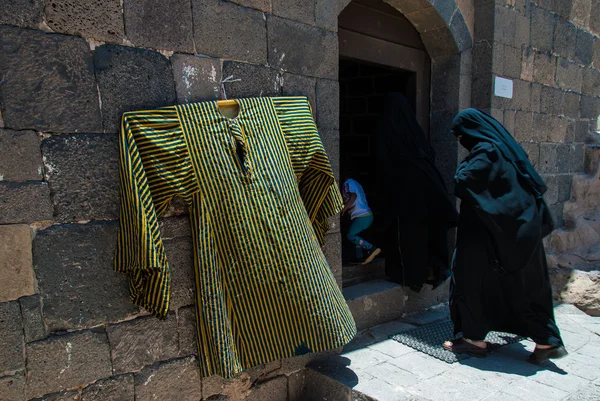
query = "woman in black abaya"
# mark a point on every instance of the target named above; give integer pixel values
(500, 276)
(414, 200)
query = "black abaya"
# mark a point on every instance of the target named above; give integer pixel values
(500, 276)
(415, 203)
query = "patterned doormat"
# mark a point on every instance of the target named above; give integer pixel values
(429, 339)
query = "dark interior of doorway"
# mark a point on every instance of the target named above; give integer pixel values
(363, 90)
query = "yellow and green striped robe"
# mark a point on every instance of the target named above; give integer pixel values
(259, 189)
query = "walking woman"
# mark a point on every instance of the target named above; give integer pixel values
(500, 276)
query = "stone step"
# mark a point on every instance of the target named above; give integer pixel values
(356, 274)
(375, 302)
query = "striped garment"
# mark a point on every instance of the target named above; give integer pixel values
(259, 189)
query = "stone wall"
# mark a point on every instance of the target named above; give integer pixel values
(551, 51)
(68, 70)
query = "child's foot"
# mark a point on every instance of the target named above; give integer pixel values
(370, 254)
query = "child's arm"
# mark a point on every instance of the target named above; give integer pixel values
(349, 203)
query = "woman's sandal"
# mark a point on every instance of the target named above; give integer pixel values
(460, 346)
(541, 355)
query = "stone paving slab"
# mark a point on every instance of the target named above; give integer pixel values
(374, 367)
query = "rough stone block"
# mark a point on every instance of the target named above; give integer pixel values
(594, 22)
(20, 156)
(565, 35)
(48, 82)
(67, 361)
(11, 338)
(558, 129)
(255, 80)
(544, 68)
(596, 54)
(118, 388)
(141, 342)
(568, 75)
(584, 48)
(328, 104)
(509, 121)
(564, 184)
(33, 323)
(17, 278)
(12, 388)
(331, 143)
(440, 42)
(302, 49)
(522, 31)
(542, 28)
(374, 302)
(527, 63)
(23, 13)
(506, 25)
(272, 390)
(181, 377)
(591, 82)
(73, 263)
(551, 101)
(521, 95)
(512, 62)
(523, 126)
(83, 173)
(87, 18)
(571, 104)
(445, 71)
(131, 79)
(333, 252)
(554, 158)
(590, 107)
(160, 24)
(426, 19)
(300, 85)
(541, 127)
(327, 11)
(297, 10)
(196, 78)
(179, 255)
(296, 386)
(582, 131)
(262, 5)
(186, 327)
(218, 388)
(226, 30)
(175, 227)
(551, 196)
(533, 152)
(576, 159)
(24, 202)
(536, 97)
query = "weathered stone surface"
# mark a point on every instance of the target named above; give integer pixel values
(521, 95)
(48, 82)
(24, 202)
(565, 35)
(542, 28)
(20, 157)
(118, 388)
(302, 49)
(571, 104)
(506, 25)
(440, 42)
(12, 388)
(328, 104)
(23, 13)
(175, 227)
(33, 323)
(17, 278)
(558, 129)
(582, 290)
(590, 107)
(591, 82)
(533, 152)
(131, 79)
(181, 377)
(62, 396)
(11, 338)
(374, 302)
(226, 30)
(523, 126)
(584, 48)
(67, 361)
(426, 19)
(186, 327)
(196, 78)
(297, 10)
(445, 71)
(179, 255)
(296, 386)
(254, 81)
(568, 75)
(143, 341)
(576, 159)
(594, 23)
(554, 158)
(596, 54)
(512, 62)
(551, 196)
(544, 68)
(218, 388)
(527, 63)
(331, 143)
(293, 85)
(333, 252)
(551, 101)
(522, 31)
(582, 131)
(87, 18)
(262, 5)
(73, 263)
(160, 24)
(83, 174)
(327, 11)
(272, 390)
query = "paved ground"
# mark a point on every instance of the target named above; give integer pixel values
(387, 370)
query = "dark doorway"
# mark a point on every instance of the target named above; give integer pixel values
(363, 90)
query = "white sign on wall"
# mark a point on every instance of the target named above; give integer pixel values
(503, 87)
